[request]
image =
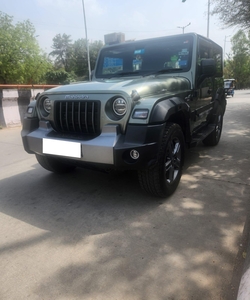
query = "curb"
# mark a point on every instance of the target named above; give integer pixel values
(244, 287)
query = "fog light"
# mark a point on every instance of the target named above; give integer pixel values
(134, 154)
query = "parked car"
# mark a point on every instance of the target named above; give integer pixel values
(148, 100)
(229, 85)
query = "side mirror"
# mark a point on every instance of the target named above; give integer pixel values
(208, 67)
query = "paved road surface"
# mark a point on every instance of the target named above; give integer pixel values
(91, 235)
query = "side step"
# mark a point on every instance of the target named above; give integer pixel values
(201, 134)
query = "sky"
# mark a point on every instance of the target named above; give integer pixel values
(137, 19)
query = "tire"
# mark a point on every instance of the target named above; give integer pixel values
(53, 164)
(214, 137)
(163, 178)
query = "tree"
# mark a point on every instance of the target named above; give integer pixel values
(59, 77)
(238, 64)
(62, 51)
(80, 57)
(233, 12)
(21, 60)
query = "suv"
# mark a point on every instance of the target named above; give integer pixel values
(148, 99)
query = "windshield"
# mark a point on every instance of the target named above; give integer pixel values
(161, 55)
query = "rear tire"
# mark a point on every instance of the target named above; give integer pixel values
(54, 164)
(214, 137)
(163, 179)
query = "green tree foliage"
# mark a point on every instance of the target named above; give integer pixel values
(80, 56)
(62, 51)
(21, 60)
(233, 12)
(72, 57)
(238, 64)
(59, 77)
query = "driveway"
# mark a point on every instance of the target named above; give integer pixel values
(95, 235)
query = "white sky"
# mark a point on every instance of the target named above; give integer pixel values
(138, 19)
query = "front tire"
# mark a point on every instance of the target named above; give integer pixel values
(163, 179)
(214, 137)
(54, 164)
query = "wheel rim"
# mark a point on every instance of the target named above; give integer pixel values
(173, 160)
(218, 127)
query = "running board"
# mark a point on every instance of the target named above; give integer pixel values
(201, 134)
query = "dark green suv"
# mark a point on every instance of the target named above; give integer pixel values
(147, 100)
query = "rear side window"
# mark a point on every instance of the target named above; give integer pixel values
(208, 49)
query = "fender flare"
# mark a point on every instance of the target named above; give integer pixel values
(220, 97)
(164, 109)
(173, 110)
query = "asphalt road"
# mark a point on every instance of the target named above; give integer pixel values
(92, 235)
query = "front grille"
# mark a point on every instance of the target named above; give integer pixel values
(77, 117)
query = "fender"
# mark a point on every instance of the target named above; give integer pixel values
(220, 96)
(173, 110)
(163, 110)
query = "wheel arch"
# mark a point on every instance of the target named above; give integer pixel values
(173, 110)
(220, 97)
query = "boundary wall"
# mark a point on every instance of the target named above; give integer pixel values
(14, 102)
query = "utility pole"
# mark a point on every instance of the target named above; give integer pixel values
(208, 16)
(225, 40)
(87, 42)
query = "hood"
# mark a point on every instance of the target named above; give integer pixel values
(145, 87)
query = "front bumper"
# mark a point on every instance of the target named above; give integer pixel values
(110, 148)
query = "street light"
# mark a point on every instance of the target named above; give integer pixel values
(87, 42)
(183, 27)
(225, 40)
(208, 15)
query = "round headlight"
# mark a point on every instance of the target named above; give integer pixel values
(120, 106)
(47, 105)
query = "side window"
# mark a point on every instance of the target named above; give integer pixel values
(205, 51)
(217, 56)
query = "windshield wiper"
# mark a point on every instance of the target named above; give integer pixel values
(163, 71)
(121, 73)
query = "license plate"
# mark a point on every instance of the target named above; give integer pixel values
(62, 148)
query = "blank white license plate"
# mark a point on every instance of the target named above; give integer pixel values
(55, 147)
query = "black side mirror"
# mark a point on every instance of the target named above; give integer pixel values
(208, 67)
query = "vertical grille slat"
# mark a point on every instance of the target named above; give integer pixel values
(73, 116)
(66, 116)
(77, 117)
(60, 115)
(93, 116)
(86, 116)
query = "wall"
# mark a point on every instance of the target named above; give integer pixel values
(13, 105)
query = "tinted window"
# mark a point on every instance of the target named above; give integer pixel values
(142, 57)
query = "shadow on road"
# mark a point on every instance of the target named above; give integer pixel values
(105, 239)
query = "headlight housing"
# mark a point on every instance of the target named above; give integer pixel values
(120, 107)
(116, 108)
(45, 106)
